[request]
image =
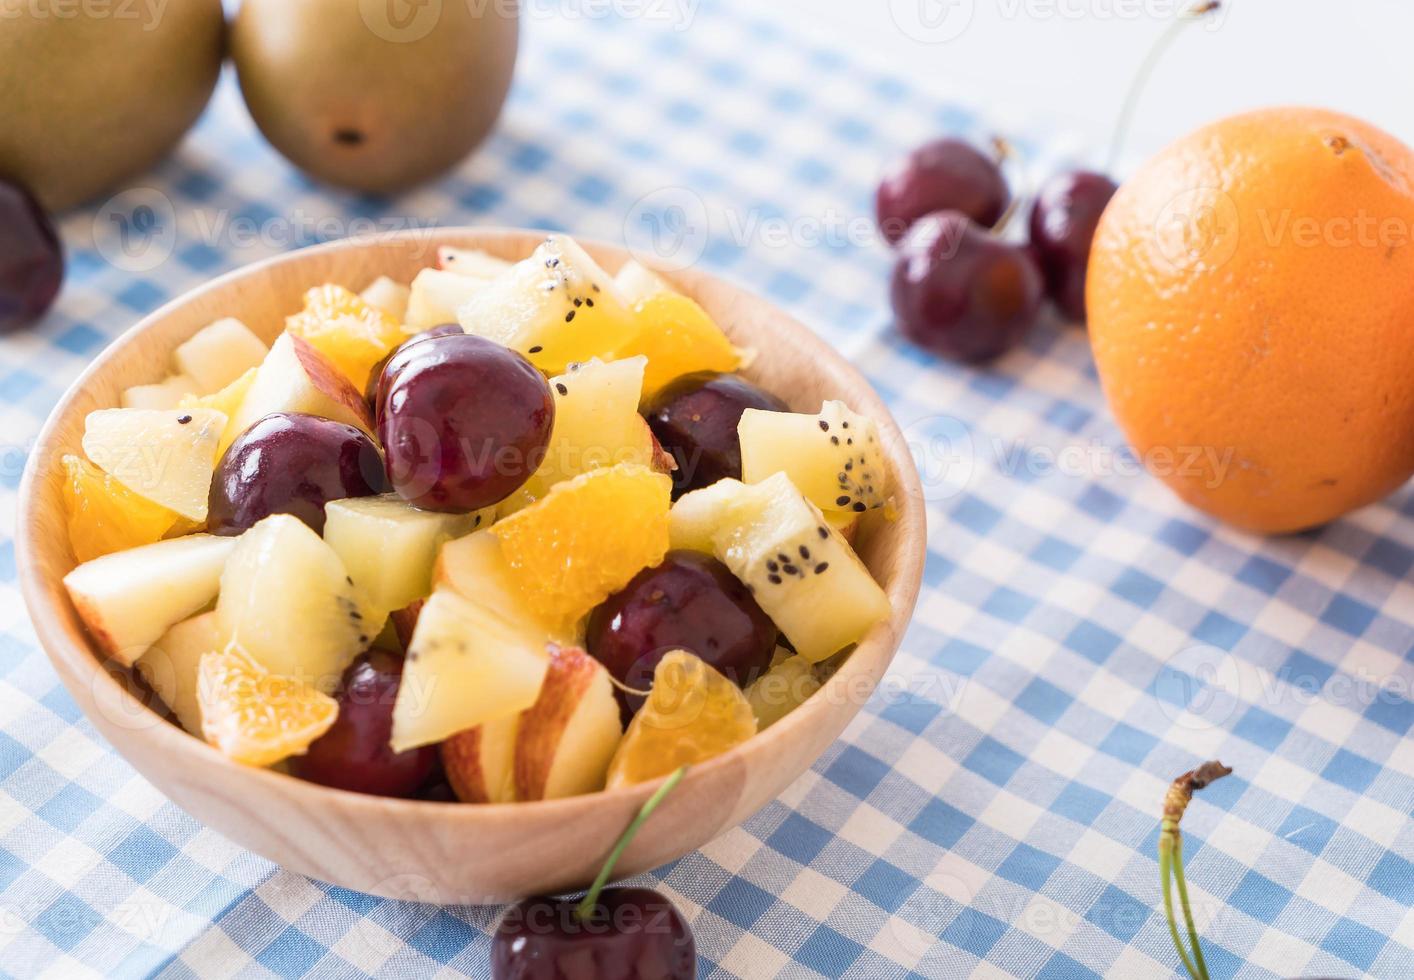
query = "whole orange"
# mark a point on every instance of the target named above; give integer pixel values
(1251, 308)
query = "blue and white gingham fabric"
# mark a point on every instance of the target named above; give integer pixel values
(1082, 637)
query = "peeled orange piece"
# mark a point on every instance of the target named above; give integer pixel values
(256, 717)
(104, 516)
(353, 335)
(692, 714)
(586, 538)
(225, 401)
(678, 337)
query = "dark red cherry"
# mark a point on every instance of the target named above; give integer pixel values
(463, 421)
(961, 292)
(1063, 222)
(945, 175)
(695, 419)
(375, 378)
(354, 753)
(291, 463)
(690, 601)
(632, 934)
(31, 258)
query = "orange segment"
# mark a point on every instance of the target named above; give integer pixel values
(104, 516)
(678, 337)
(586, 538)
(692, 714)
(256, 717)
(225, 401)
(351, 334)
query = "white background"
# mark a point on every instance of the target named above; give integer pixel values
(1070, 62)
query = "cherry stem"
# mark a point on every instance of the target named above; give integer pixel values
(1190, 15)
(1176, 802)
(586, 907)
(1003, 151)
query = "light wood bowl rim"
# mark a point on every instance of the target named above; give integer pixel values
(74, 657)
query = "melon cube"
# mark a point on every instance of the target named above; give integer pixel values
(170, 666)
(436, 296)
(219, 354)
(167, 393)
(389, 296)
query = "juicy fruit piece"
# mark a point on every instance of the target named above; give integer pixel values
(963, 293)
(475, 568)
(464, 423)
(471, 262)
(556, 307)
(288, 463)
(565, 740)
(1063, 222)
(255, 717)
(436, 295)
(227, 401)
(696, 517)
(387, 295)
(218, 354)
(398, 357)
(370, 96)
(689, 601)
(164, 394)
(781, 690)
(596, 425)
(351, 334)
(945, 175)
(692, 714)
(166, 456)
(465, 666)
(638, 283)
(31, 259)
(104, 516)
(632, 933)
(678, 337)
(802, 572)
(287, 600)
(80, 121)
(354, 753)
(171, 666)
(129, 599)
(586, 539)
(695, 419)
(833, 458)
(1180, 300)
(389, 547)
(294, 377)
(480, 762)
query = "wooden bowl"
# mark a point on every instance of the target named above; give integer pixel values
(442, 852)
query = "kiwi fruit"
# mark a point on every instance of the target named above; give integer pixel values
(363, 99)
(97, 95)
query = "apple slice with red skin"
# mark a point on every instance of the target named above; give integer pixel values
(567, 738)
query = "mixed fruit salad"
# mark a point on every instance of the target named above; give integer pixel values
(509, 532)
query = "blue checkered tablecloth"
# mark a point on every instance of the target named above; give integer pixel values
(1081, 639)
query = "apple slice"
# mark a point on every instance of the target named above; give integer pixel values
(130, 598)
(480, 762)
(471, 262)
(170, 667)
(219, 354)
(637, 282)
(475, 568)
(387, 295)
(565, 741)
(166, 456)
(437, 295)
(167, 393)
(286, 598)
(465, 666)
(294, 377)
(389, 547)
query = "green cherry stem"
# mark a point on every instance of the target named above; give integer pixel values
(586, 907)
(1189, 15)
(1176, 802)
